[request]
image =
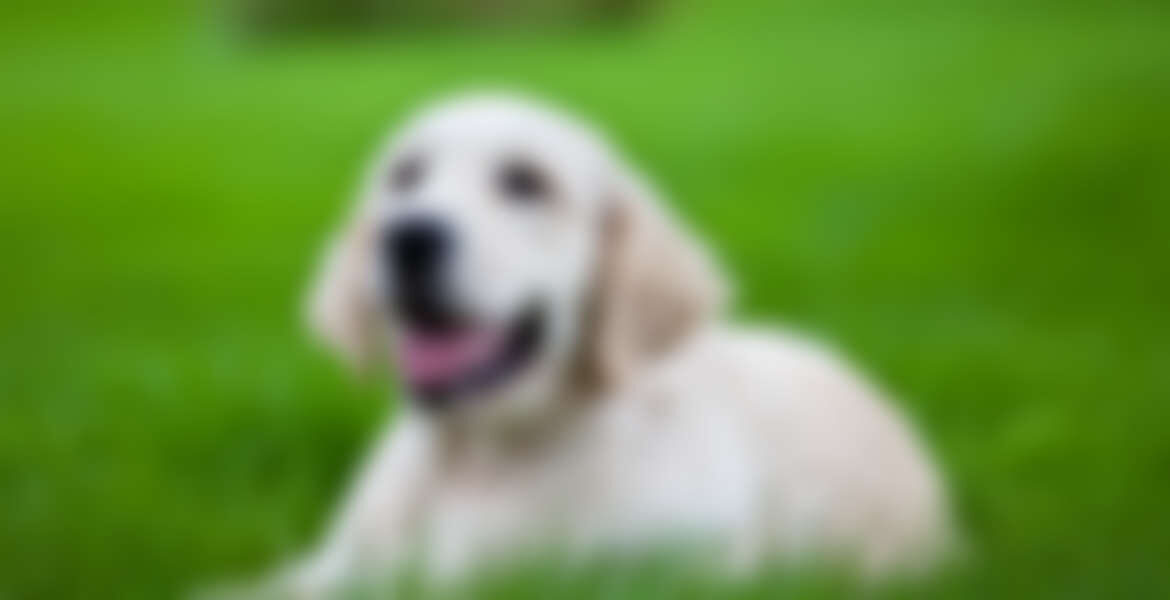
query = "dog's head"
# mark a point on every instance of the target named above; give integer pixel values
(504, 256)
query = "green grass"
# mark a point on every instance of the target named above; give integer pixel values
(972, 202)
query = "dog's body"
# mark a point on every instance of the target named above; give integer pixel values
(639, 419)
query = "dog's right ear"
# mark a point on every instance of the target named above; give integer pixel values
(655, 285)
(342, 303)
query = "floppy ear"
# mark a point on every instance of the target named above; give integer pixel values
(342, 306)
(655, 284)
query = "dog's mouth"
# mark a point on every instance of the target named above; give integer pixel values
(463, 357)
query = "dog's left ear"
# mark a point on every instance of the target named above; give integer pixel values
(655, 283)
(342, 307)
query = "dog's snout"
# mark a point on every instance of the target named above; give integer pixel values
(414, 256)
(415, 249)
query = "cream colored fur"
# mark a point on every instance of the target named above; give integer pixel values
(652, 416)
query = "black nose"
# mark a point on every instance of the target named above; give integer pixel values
(413, 255)
(415, 250)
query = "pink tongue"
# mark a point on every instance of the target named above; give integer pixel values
(434, 358)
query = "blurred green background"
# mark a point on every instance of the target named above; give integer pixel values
(971, 198)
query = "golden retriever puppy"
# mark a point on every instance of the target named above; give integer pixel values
(572, 378)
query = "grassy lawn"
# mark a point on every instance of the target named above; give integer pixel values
(973, 203)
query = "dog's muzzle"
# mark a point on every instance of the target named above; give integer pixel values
(443, 353)
(415, 255)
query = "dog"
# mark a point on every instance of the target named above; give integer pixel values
(573, 379)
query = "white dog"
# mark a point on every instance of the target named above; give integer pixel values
(573, 380)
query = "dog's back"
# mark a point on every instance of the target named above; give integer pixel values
(834, 470)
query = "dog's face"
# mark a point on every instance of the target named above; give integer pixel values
(503, 255)
(486, 243)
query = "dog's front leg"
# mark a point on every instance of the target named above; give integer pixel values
(377, 523)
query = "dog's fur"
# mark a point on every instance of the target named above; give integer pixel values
(647, 416)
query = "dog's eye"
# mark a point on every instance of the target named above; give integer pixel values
(523, 182)
(406, 174)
